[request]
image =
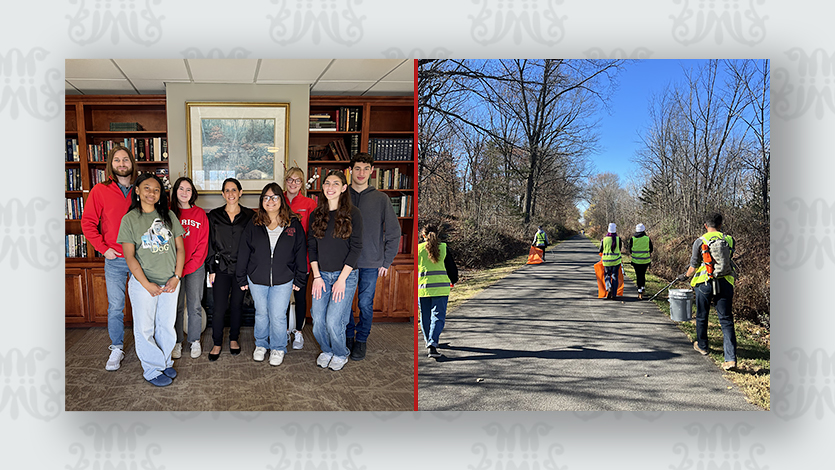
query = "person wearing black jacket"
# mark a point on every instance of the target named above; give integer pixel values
(226, 224)
(272, 263)
(334, 244)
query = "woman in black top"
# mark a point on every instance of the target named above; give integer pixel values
(272, 263)
(334, 244)
(226, 224)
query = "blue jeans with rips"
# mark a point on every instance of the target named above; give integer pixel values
(366, 287)
(271, 314)
(153, 327)
(724, 300)
(329, 317)
(116, 275)
(432, 318)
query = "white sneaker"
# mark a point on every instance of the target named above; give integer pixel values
(276, 357)
(115, 359)
(298, 340)
(324, 359)
(259, 354)
(196, 351)
(177, 352)
(337, 362)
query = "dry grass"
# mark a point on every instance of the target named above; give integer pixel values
(473, 281)
(753, 373)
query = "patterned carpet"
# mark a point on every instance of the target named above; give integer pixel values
(383, 381)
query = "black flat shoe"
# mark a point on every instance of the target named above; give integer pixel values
(213, 357)
(234, 351)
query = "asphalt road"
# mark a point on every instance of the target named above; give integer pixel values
(540, 339)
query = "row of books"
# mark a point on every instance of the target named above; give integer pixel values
(75, 246)
(404, 244)
(391, 179)
(344, 119)
(73, 180)
(148, 149)
(343, 153)
(402, 205)
(319, 173)
(71, 151)
(391, 149)
(74, 208)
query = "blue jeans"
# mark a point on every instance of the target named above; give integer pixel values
(724, 300)
(191, 297)
(116, 274)
(432, 314)
(329, 317)
(153, 328)
(610, 277)
(271, 314)
(367, 285)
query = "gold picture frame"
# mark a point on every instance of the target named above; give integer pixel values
(243, 140)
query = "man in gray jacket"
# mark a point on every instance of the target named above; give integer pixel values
(380, 240)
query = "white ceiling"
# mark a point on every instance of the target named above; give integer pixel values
(365, 77)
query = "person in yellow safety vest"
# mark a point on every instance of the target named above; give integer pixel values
(540, 240)
(436, 273)
(640, 249)
(705, 294)
(610, 249)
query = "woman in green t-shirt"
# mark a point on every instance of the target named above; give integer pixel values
(152, 242)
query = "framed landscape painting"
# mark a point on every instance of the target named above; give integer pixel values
(246, 141)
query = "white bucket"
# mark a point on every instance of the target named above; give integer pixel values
(681, 304)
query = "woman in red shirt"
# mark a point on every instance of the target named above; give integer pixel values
(196, 242)
(303, 206)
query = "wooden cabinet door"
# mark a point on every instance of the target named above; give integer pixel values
(402, 287)
(75, 288)
(97, 288)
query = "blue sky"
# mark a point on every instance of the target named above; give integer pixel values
(628, 114)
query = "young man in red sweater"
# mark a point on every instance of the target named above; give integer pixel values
(106, 205)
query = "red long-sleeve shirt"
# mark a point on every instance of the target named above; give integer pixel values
(103, 212)
(196, 239)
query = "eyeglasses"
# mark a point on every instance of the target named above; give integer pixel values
(293, 180)
(272, 198)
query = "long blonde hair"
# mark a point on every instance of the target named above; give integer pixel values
(430, 232)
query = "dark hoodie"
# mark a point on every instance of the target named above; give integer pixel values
(380, 230)
(637, 235)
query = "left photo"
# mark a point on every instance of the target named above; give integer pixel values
(239, 235)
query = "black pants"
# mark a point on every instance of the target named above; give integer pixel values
(301, 306)
(226, 293)
(640, 274)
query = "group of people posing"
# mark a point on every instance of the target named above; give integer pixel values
(154, 244)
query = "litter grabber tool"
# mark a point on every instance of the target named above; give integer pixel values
(679, 278)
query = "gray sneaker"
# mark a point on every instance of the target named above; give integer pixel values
(196, 351)
(177, 352)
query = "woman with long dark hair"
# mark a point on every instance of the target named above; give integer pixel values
(152, 242)
(303, 206)
(196, 243)
(272, 264)
(334, 245)
(226, 224)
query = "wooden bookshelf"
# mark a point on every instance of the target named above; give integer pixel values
(87, 119)
(391, 118)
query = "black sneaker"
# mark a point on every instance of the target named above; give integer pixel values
(358, 353)
(432, 352)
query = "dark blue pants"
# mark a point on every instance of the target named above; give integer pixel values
(723, 300)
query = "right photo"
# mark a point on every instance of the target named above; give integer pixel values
(593, 235)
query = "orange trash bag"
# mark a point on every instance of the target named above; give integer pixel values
(535, 255)
(601, 284)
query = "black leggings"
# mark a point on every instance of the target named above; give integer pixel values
(224, 285)
(640, 274)
(301, 307)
